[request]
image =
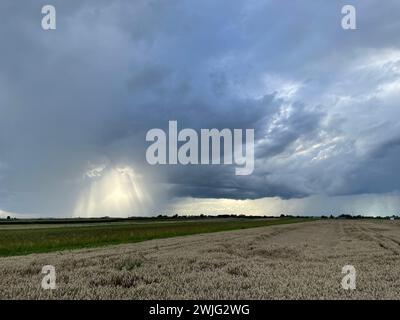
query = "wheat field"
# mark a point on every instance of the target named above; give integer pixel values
(296, 261)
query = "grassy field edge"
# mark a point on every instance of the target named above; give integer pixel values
(19, 242)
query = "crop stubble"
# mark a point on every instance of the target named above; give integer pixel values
(296, 261)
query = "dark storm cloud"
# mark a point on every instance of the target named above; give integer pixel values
(323, 101)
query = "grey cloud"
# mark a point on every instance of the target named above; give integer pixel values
(113, 70)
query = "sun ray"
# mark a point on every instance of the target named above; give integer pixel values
(113, 192)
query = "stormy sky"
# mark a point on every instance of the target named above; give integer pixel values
(76, 103)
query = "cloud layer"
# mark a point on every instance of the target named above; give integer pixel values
(324, 102)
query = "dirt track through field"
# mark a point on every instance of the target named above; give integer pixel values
(296, 261)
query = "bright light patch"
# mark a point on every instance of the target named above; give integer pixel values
(115, 192)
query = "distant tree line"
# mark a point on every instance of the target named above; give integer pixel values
(161, 217)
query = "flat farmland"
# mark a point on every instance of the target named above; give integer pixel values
(290, 261)
(25, 238)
